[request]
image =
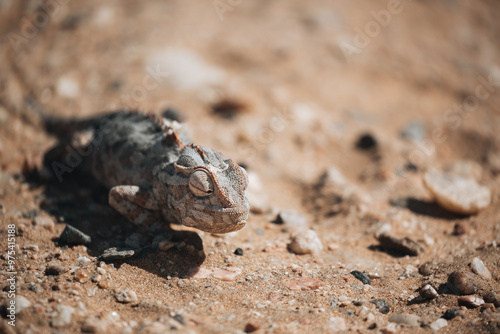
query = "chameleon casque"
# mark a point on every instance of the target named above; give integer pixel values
(153, 171)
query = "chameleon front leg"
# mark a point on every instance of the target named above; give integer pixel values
(138, 205)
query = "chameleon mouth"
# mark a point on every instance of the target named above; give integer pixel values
(235, 211)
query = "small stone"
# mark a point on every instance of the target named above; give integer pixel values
(492, 297)
(428, 292)
(72, 236)
(292, 218)
(68, 87)
(471, 301)
(104, 284)
(459, 229)
(366, 142)
(414, 131)
(361, 276)
(304, 283)
(405, 318)
(252, 327)
(82, 275)
(426, 269)
(451, 313)
(488, 306)
(305, 243)
(165, 245)
(382, 305)
(456, 193)
(391, 328)
(228, 274)
(22, 303)
(479, 268)
(404, 246)
(179, 318)
(82, 260)
(55, 270)
(114, 253)
(228, 108)
(31, 247)
(336, 324)
(238, 251)
(126, 296)
(462, 282)
(438, 324)
(62, 316)
(45, 222)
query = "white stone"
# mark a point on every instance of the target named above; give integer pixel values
(438, 324)
(21, 304)
(68, 87)
(479, 268)
(455, 193)
(62, 316)
(305, 243)
(336, 324)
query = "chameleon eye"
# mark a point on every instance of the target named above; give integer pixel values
(201, 184)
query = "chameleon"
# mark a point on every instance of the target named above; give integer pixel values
(153, 171)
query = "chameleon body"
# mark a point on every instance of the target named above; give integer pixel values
(154, 173)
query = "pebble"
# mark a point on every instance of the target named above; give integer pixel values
(165, 245)
(230, 107)
(22, 303)
(55, 270)
(366, 142)
(228, 274)
(492, 297)
(414, 131)
(456, 193)
(438, 324)
(428, 292)
(462, 282)
(252, 326)
(479, 268)
(126, 296)
(31, 247)
(451, 313)
(426, 269)
(382, 305)
(459, 229)
(82, 260)
(361, 276)
(82, 275)
(292, 218)
(62, 316)
(391, 328)
(114, 253)
(336, 324)
(305, 243)
(404, 246)
(238, 251)
(471, 301)
(405, 318)
(304, 283)
(73, 236)
(488, 306)
(45, 222)
(68, 87)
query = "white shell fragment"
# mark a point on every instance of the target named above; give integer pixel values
(456, 193)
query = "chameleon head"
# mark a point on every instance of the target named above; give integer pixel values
(206, 190)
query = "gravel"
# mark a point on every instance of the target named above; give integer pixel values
(428, 292)
(451, 313)
(114, 253)
(471, 301)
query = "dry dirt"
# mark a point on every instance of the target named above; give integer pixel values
(285, 88)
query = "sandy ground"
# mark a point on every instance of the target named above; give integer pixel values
(286, 88)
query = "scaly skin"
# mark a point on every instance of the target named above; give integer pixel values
(155, 174)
